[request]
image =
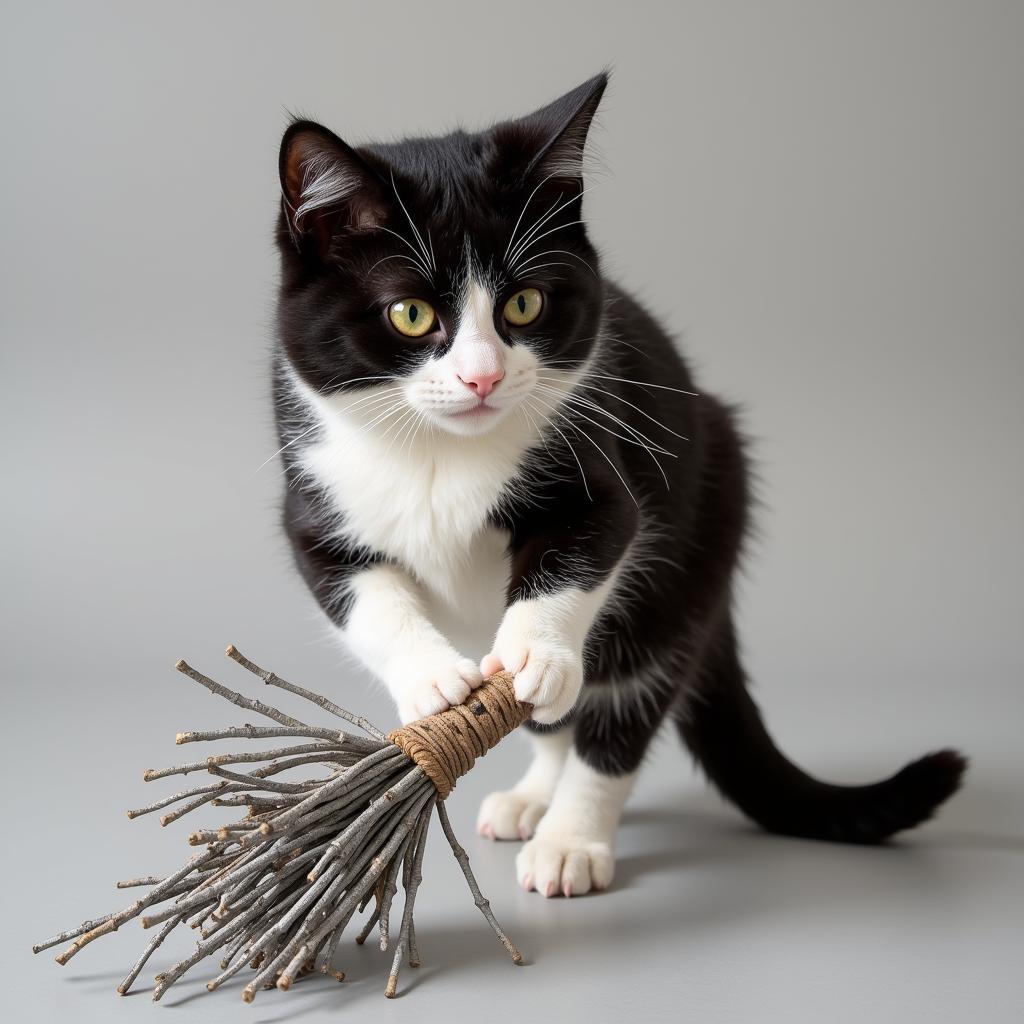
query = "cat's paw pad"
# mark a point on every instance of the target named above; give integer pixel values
(434, 683)
(509, 815)
(565, 866)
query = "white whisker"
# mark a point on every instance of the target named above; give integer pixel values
(539, 266)
(640, 444)
(418, 263)
(380, 417)
(356, 380)
(544, 234)
(531, 237)
(395, 256)
(638, 437)
(283, 447)
(583, 476)
(522, 214)
(646, 384)
(619, 398)
(396, 427)
(521, 268)
(601, 451)
(415, 230)
(372, 402)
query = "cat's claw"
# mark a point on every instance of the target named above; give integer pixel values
(571, 866)
(508, 814)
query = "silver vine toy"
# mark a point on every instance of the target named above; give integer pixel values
(276, 889)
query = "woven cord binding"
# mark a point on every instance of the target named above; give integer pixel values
(447, 745)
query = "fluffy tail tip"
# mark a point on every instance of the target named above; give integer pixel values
(909, 798)
(935, 777)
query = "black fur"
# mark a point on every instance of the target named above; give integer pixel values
(667, 642)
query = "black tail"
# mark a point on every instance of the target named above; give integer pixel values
(722, 727)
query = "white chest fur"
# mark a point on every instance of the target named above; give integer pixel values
(425, 501)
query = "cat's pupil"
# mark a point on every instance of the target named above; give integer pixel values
(521, 303)
(413, 313)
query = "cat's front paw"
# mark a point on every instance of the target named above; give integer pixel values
(548, 667)
(565, 865)
(509, 814)
(433, 682)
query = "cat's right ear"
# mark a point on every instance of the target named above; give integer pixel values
(326, 187)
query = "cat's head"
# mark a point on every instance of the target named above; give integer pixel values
(451, 275)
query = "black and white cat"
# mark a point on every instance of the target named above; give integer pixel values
(492, 450)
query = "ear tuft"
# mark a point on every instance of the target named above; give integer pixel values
(326, 186)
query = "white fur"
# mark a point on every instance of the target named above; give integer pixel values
(514, 813)
(541, 640)
(389, 630)
(572, 851)
(420, 499)
(324, 182)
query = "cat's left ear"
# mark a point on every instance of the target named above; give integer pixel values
(550, 142)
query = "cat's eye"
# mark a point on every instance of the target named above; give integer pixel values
(524, 307)
(412, 317)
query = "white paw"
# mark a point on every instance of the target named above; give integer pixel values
(433, 682)
(565, 865)
(509, 815)
(547, 665)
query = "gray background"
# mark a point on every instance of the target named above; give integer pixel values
(824, 201)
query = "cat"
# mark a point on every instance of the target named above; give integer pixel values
(491, 449)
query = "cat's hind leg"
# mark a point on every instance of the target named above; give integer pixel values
(572, 851)
(514, 813)
(573, 848)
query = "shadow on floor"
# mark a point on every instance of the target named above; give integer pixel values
(682, 873)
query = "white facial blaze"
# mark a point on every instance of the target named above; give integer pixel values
(478, 351)
(471, 389)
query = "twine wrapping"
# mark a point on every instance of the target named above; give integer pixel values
(447, 745)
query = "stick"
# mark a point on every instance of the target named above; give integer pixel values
(478, 898)
(410, 899)
(272, 679)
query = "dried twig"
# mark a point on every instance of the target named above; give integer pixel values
(276, 889)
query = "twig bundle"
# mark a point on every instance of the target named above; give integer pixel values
(276, 889)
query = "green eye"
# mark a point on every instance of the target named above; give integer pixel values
(524, 307)
(412, 317)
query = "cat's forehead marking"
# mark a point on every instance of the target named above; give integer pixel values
(471, 273)
(476, 308)
(474, 311)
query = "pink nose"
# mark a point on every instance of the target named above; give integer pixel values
(482, 382)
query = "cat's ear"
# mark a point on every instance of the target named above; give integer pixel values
(550, 142)
(326, 186)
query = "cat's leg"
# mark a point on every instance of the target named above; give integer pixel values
(564, 569)
(387, 628)
(573, 849)
(514, 813)
(381, 614)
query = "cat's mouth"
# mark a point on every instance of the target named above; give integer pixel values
(481, 409)
(470, 419)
